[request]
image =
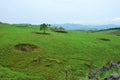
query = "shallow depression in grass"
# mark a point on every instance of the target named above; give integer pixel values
(26, 47)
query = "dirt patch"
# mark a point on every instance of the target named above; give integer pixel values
(26, 47)
(41, 33)
(117, 46)
(103, 39)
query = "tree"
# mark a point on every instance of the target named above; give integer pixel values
(61, 29)
(44, 27)
(1, 22)
(49, 25)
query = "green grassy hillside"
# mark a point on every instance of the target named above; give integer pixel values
(75, 52)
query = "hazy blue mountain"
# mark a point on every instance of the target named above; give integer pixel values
(86, 27)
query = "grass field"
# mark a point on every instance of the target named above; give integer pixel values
(75, 52)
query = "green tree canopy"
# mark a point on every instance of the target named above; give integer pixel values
(44, 27)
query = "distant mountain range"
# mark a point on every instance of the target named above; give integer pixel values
(69, 26)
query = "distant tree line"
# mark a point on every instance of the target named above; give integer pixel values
(118, 28)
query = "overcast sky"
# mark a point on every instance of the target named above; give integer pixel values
(60, 11)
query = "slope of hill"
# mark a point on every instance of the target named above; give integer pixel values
(113, 31)
(74, 53)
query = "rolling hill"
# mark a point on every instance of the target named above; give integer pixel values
(58, 54)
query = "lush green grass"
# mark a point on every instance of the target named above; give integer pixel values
(76, 51)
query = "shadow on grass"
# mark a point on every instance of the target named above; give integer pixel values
(60, 31)
(103, 39)
(41, 33)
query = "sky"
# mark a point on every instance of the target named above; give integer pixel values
(60, 11)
